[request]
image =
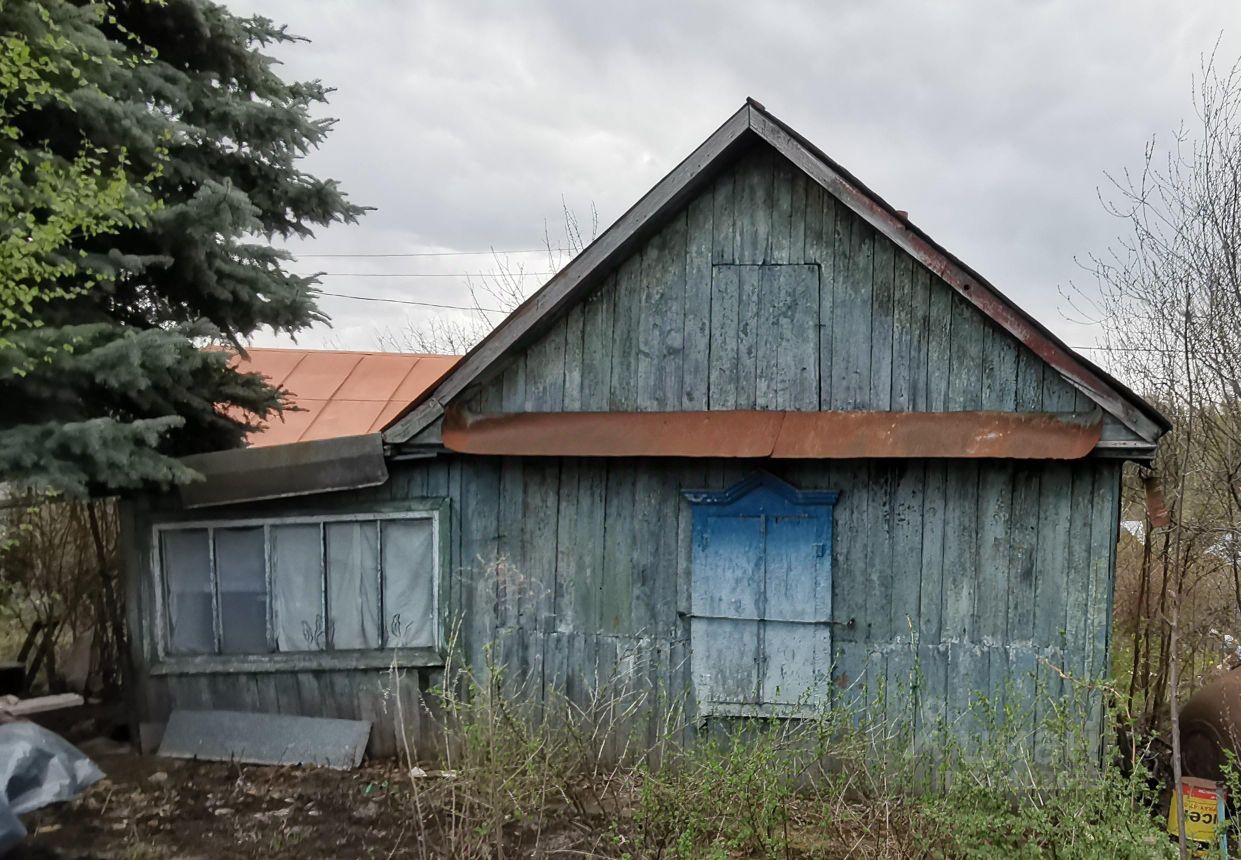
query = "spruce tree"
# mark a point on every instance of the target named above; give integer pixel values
(112, 366)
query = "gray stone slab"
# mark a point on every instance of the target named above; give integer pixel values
(265, 738)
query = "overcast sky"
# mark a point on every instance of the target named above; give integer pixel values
(466, 123)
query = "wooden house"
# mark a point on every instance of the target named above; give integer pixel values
(763, 444)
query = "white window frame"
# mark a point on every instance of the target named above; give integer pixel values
(371, 658)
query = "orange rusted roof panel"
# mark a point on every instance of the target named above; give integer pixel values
(425, 373)
(338, 393)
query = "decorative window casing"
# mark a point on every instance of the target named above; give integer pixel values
(761, 598)
(286, 592)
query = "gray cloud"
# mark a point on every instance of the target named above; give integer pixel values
(466, 123)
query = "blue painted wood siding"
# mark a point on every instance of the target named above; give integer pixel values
(718, 310)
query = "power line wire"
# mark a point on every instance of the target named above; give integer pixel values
(412, 302)
(432, 274)
(431, 254)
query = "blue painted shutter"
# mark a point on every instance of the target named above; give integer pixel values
(728, 585)
(797, 642)
(760, 636)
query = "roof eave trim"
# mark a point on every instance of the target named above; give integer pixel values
(613, 242)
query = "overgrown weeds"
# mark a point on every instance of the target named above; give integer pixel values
(1017, 774)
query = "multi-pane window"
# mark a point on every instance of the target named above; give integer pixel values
(300, 585)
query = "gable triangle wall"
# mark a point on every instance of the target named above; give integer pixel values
(766, 292)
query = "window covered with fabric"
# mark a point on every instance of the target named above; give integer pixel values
(299, 586)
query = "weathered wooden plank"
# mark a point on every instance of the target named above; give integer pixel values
(882, 326)
(782, 212)
(1055, 514)
(569, 547)
(665, 620)
(907, 525)
(771, 306)
(919, 339)
(797, 218)
(1029, 395)
(799, 344)
(748, 322)
(479, 517)
(879, 558)
(661, 326)
(370, 706)
(967, 341)
(850, 582)
(625, 321)
(309, 695)
(616, 588)
(545, 370)
(574, 327)
(995, 498)
(999, 371)
(934, 525)
(902, 333)
(1023, 548)
(266, 698)
(1105, 514)
(287, 697)
(1058, 395)
(539, 529)
(723, 220)
(1052, 560)
(410, 730)
(851, 321)
(939, 345)
(510, 560)
(821, 234)
(967, 670)
(597, 348)
(753, 209)
(592, 526)
(696, 361)
(907, 518)
(725, 303)
(648, 522)
(1077, 580)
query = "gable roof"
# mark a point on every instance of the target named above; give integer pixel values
(339, 393)
(753, 122)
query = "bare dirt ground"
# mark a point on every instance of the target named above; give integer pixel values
(163, 808)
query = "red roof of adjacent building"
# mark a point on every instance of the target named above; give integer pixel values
(339, 393)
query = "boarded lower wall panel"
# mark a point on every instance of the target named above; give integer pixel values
(574, 577)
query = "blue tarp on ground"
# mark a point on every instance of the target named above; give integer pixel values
(37, 767)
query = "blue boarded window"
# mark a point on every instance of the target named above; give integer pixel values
(761, 601)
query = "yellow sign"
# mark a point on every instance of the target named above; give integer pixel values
(1202, 804)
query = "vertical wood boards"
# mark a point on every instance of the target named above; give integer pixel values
(725, 308)
(597, 325)
(661, 321)
(995, 566)
(696, 336)
(660, 330)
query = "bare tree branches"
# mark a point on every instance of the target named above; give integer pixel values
(492, 296)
